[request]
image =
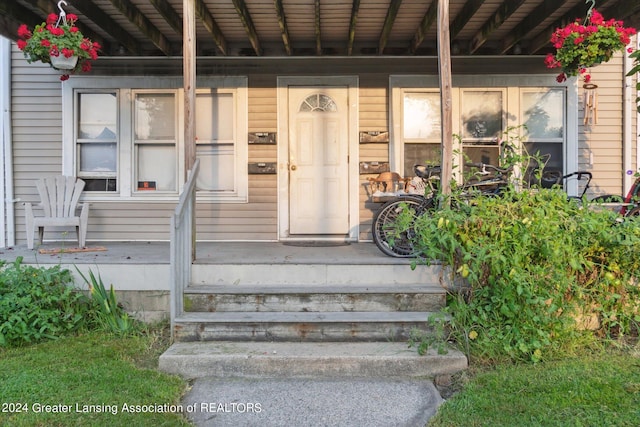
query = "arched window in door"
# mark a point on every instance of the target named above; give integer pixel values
(318, 102)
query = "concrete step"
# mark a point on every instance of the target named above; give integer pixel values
(328, 298)
(307, 360)
(284, 273)
(299, 326)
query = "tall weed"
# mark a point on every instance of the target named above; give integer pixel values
(544, 274)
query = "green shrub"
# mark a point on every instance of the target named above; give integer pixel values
(38, 303)
(536, 266)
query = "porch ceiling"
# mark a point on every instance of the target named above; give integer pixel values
(282, 28)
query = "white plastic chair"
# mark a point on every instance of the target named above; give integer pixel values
(59, 197)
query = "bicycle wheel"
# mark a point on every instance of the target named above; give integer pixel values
(386, 235)
(633, 212)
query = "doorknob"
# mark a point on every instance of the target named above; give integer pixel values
(293, 167)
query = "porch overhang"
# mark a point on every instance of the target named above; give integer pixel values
(315, 28)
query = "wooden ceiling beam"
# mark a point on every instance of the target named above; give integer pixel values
(210, 24)
(355, 7)
(104, 21)
(16, 15)
(531, 22)
(169, 14)
(138, 19)
(392, 13)
(427, 21)
(247, 23)
(282, 22)
(318, 29)
(464, 16)
(504, 11)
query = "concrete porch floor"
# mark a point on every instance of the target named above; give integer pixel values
(206, 253)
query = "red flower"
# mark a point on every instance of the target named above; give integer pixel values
(72, 17)
(561, 77)
(21, 44)
(23, 32)
(64, 77)
(73, 29)
(45, 43)
(86, 66)
(52, 18)
(587, 78)
(68, 53)
(54, 51)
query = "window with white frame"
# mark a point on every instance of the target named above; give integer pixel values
(421, 130)
(128, 137)
(481, 124)
(215, 141)
(155, 141)
(480, 115)
(96, 140)
(543, 114)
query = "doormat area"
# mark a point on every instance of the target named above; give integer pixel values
(316, 244)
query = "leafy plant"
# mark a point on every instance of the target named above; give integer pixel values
(438, 338)
(635, 55)
(110, 315)
(583, 45)
(537, 267)
(38, 304)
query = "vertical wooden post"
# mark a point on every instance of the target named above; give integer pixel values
(189, 76)
(444, 61)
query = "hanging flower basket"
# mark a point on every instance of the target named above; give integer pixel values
(59, 43)
(580, 46)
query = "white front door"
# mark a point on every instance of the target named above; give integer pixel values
(318, 163)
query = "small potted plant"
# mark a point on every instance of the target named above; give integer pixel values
(59, 43)
(580, 46)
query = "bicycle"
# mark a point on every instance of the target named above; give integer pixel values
(398, 243)
(630, 203)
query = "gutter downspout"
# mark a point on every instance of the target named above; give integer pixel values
(637, 114)
(627, 116)
(6, 167)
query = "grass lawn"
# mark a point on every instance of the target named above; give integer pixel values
(592, 390)
(95, 377)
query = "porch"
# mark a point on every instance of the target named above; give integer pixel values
(290, 282)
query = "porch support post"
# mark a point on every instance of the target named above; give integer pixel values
(444, 61)
(189, 76)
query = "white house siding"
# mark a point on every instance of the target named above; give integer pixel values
(600, 148)
(36, 129)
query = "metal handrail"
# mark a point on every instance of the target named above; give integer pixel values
(182, 247)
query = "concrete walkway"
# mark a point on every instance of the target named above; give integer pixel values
(310, 384)
(299, 402)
